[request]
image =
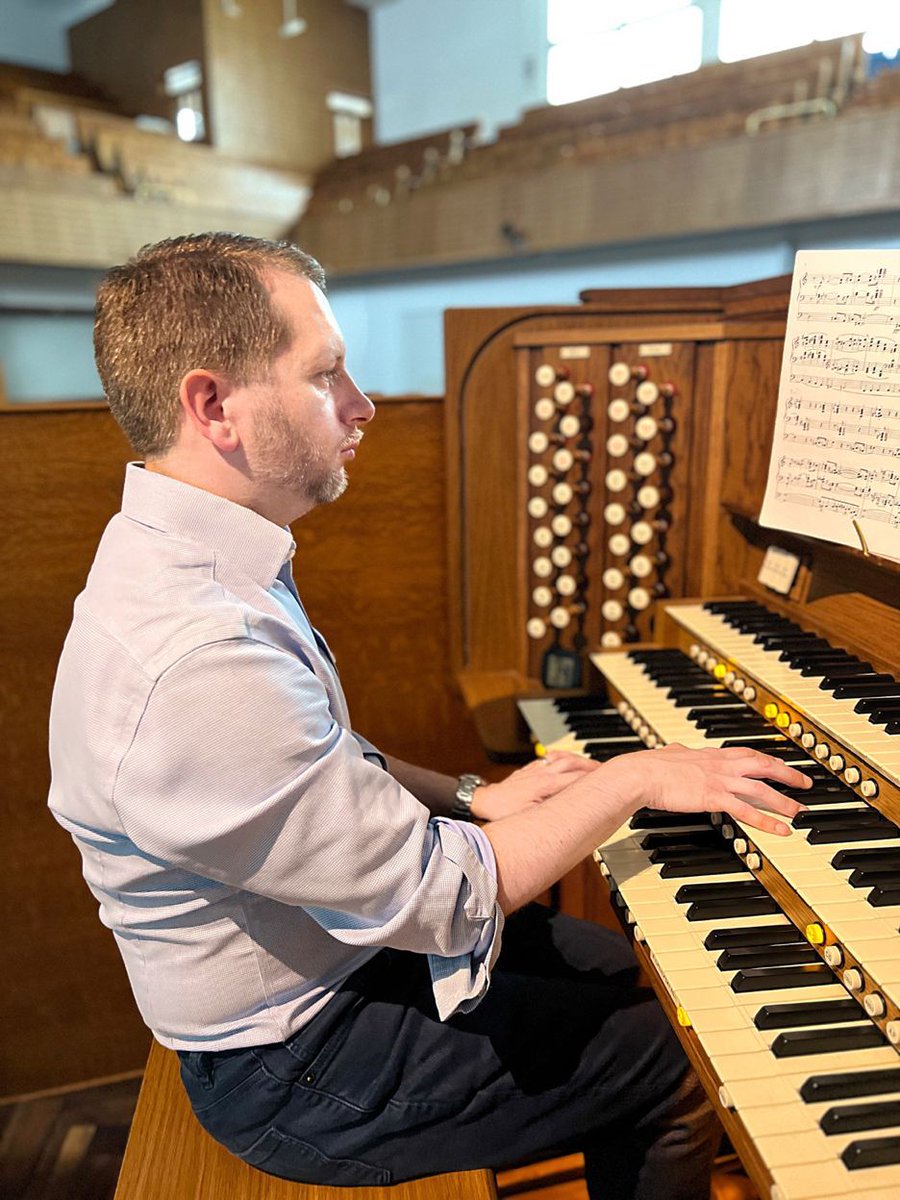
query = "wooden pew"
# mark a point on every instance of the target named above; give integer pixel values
(170, 1157)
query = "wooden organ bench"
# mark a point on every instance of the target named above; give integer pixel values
(169, 1156)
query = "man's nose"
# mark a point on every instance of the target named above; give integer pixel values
(357, 405)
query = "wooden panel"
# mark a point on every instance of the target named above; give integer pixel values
(266, 94)
(170, 1157)
(67, 1013)
(124, 50)
(372, 569)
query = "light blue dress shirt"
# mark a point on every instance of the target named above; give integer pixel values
(247, 849)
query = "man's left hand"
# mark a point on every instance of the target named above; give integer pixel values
(529, 785)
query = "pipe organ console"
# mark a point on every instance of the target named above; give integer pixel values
(777, 959)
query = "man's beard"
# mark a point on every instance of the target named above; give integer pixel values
(287, 458)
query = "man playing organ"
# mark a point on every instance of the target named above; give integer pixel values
(349, 966)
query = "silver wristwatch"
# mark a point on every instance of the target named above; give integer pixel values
(465, 790)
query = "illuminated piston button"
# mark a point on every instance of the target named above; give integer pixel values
(853, 979)
(563, 460)
(647, 392)
(542, 596)
(614, 514)
(616, 480)
(564, 393)
(617, 445)
(569, 425)
(619, 374)
(852, 775)
(543, 537)
(783, 720)
(822, 751)
(645, 464)
(618, 410)
(545, 375)
(538, 507)
(648, 495)
(645, 428)
(566, 585)
(536, 628)
(641, 533)
(612, 610)
(561, 556)
(560, 617)
(619, 544)
(538, 475)
(613, 578)
(545, 409)
(538, 442)
(834, 956)
(874, 1004)
(868, 788)
(639, 598)
(640, 566)
(836, 762)
(561, 525)
(542, 567)
(562, 494)
(770, 712)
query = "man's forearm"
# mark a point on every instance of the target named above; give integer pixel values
(436, 791)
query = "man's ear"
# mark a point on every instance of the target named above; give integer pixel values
(204, 395)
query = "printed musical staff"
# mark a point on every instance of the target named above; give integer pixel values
(835, 465)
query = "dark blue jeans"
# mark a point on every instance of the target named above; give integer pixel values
(565, 1052)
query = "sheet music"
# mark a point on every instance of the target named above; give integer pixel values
(836, 451)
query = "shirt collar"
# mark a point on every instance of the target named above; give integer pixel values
(237, 535)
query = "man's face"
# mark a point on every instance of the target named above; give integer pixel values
(307, 417)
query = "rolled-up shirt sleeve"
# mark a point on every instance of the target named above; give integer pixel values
(238, 771)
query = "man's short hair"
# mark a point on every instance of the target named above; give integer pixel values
(198, 301)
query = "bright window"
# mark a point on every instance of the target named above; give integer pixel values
(765, 26)
(599, 47)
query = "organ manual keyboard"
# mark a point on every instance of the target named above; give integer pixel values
(778, 958)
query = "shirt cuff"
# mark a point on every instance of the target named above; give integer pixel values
(461, 981)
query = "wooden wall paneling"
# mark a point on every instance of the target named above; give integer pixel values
(124, 50)
(266, 94)
(66, 1013)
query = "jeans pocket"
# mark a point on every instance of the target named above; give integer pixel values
(291, 1158)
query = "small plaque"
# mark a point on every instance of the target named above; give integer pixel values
(654, 349)
(574, 352)
(779, 570)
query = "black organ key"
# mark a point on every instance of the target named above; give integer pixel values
(882, 897)
(856, 833)
(719, 891)
(593, 703)
(708, 836)
(652, 818)
(719, 910)
(603, 751)
(869, 704)
(870, 858)
(816, 1012)
(839, 816)
(850, 1084)
(753, 935)
(892, 727)
(839, 674)
(766, 956)
(763, 979)
(729, 864)
(828, 1041)
(851, 1118)
(876, 685)
(682, 852)
(862, 879)
(816, 666)
(874, 1152)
